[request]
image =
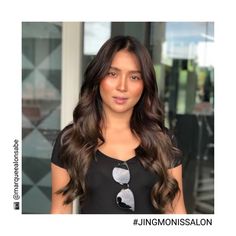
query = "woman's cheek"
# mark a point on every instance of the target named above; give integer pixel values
(107, 84)
(137, 91)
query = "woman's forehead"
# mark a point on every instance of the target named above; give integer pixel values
(124, 59)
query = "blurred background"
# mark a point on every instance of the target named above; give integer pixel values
(54, 57)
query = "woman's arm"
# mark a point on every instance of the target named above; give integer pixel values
(60, 178)
(178, 203)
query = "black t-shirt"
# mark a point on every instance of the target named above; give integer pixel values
(103, 189)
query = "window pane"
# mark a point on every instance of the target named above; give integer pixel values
(41, 101)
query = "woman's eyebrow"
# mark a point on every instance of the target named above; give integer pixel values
(131, 71)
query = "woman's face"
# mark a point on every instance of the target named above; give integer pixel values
(122, 87)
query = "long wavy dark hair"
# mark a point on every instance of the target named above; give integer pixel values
(81, 140)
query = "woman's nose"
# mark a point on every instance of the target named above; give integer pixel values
(122, 84)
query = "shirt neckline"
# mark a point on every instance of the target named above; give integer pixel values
(101, 154)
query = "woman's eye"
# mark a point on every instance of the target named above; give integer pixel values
(112, 74)
(134, 77)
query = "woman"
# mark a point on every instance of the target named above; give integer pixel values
(117, 156)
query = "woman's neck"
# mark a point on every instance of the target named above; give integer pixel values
(117, 121)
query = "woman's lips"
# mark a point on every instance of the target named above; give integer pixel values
(120, 100)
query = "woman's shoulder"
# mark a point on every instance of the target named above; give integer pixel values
(58, 143)
(62, 133)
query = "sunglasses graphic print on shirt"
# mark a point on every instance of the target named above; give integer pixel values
(125, 198)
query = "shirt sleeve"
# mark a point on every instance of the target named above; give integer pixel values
(56, 151)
